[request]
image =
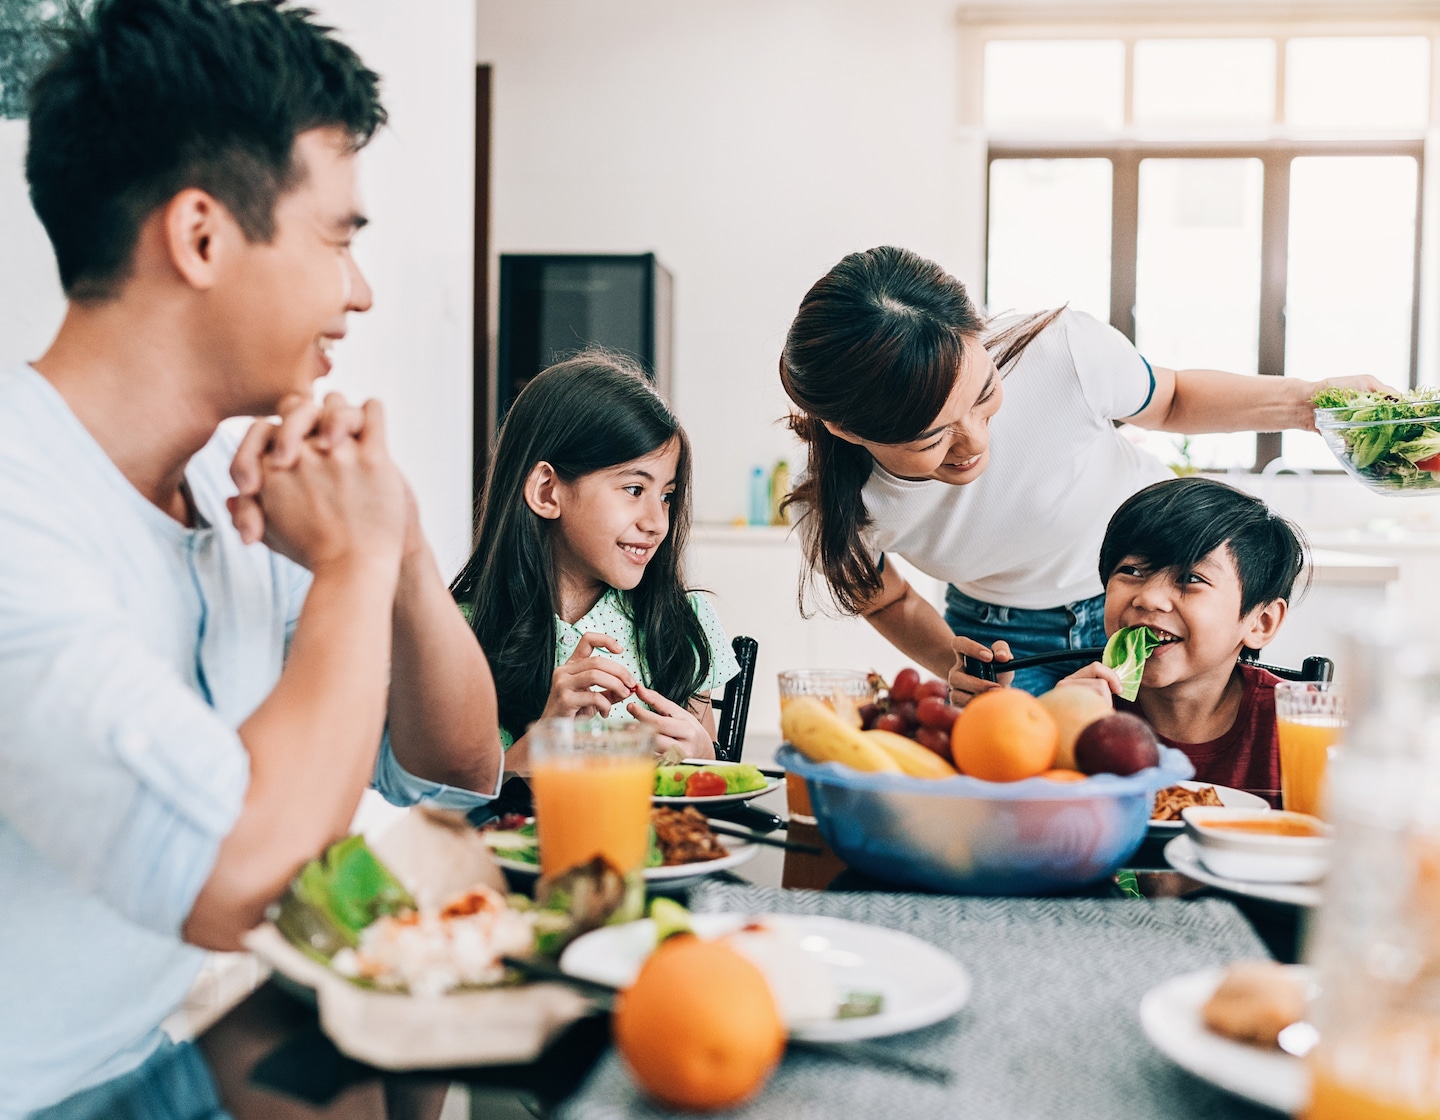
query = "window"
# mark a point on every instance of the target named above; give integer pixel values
(1246, 198)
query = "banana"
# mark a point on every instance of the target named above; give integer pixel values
(822, 736)
(910, 756)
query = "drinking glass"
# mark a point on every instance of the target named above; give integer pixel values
(1310, 718)
(840, 689)
(592, 783)
(1375, 940)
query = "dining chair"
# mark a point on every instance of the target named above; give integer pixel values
(1317, 669)
(734, 706)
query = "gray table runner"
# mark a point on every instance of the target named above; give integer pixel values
(1051, 1031)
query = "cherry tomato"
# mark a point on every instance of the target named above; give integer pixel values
(906, 681)
(932, 738)
(938, 689)
(704, 783)
(932, 712)
(1430, 464)
(891, 722)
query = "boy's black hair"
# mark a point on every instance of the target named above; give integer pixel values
(1173, 525)
(148, 97)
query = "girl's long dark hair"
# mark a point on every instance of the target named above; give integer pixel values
(875, 349)
(586, 414)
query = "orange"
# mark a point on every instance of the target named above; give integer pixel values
(1004, 735)
(699, 1028)
(1064, 776)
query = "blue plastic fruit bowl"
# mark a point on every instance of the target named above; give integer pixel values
(967, 836)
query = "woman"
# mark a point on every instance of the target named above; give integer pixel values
(899, 384)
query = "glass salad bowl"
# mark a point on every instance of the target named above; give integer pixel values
(1389, 444)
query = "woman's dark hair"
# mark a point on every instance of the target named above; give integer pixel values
(146, 98)
(875, 349)
(1173, 525)
(580, 416)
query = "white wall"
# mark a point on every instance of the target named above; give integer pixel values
(750, 144)
(413, 350)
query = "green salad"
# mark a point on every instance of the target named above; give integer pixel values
(520, 845)
(687, 781)
(1126, 653)
(1391, 442)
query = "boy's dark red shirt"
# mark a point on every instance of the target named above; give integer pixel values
(1248, 755)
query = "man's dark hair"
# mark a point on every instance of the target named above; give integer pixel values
(1173, 525)
(146, 98)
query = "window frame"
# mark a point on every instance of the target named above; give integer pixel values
(1274, 144)
(1275, 156)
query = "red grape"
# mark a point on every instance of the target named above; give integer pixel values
(936, 740)
(906, 711)
(906, 681)
(891, 722)
(932, 712)
(869, 713)
(938, 689)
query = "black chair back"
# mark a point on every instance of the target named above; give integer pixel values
(1317, 669)
(734, 706)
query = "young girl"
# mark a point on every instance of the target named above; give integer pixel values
(575, 588)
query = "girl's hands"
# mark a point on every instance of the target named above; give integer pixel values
(1104, 680)
(573, 684)
(674, 726)
(964, 687)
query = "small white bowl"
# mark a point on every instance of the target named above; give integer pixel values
(1262, 856)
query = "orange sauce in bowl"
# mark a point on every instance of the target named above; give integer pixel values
(1273, 825)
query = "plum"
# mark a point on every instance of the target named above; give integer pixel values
(1118, 744)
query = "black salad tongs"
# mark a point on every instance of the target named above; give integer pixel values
(986, 670)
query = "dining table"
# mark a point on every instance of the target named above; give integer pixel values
(1051, 1027)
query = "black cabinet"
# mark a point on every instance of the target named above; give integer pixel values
(552, 306)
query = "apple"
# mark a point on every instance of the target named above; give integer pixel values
(1118, 744)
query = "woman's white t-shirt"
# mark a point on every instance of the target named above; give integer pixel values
(1027, 532)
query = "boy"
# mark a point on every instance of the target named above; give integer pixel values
(1210, 569)
(188, 714)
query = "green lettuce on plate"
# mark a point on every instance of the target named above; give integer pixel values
(1126, 653)
(336, 896)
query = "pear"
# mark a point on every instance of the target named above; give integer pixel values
(1074, 707)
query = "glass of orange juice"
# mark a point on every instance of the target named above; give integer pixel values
(1310, 718)
(837, 687)
(592, 782)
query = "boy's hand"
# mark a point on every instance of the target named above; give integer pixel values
(964, 687)
(573, 684)
(1101, 678)
(674, 726)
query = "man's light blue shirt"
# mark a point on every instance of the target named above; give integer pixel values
(131, 648)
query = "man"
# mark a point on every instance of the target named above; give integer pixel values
(187, 715)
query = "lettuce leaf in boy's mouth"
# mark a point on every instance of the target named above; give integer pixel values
(1126, 652)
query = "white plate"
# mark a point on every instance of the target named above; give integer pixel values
(1170, 1018)
(1181, 855)
(719, 798)
(1230, 798)
(920, 984)
(740, 852)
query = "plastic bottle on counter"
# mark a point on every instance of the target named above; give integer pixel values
(759, 497)
(779, 487)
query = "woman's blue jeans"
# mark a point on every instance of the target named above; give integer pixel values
(1073, 626)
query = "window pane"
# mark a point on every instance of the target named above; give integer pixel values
(1043, 82)
(1349, 296)
(1355, 83)
(1197, 282)
(1049, 235)
(1204, 81)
